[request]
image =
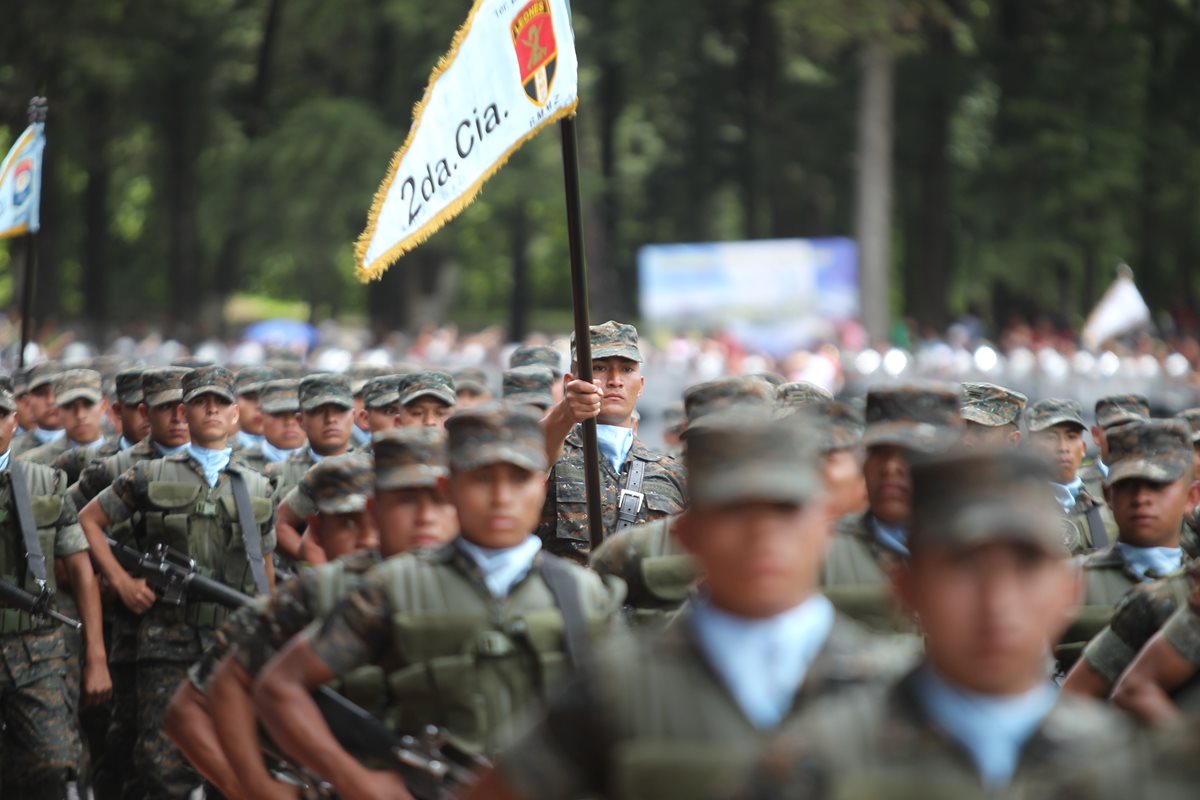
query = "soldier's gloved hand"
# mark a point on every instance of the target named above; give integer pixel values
(376, 785)
(582, 399)
(136, 595)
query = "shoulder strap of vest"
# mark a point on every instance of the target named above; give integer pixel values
(330, 583)
(557, 576)
(250, 535)
(34, 558)
(1096, 527)
(629, 505)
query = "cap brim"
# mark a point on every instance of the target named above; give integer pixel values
(33, 386)
(766, 482)
(449, 398)
(1058, 419)
(919, 436)
(327, 400)
(130, 399)
(617, 351)
(1120, 418)
(219, 391)
(501, 453)
(391, 398)
(414, 476)
(279, 408)
(356, 387)
(984, 523)
(470, 386)
(1156, 470)
(80, 393)
(162, 398)
(529, 399)
(981, 417)
(343, 504)
(250, 388)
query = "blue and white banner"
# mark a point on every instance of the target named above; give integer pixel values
(21, 183)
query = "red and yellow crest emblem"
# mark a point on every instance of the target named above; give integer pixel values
(537, 50)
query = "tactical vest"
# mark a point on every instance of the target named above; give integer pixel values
(286, 474)
(468, 662)
(365, 686)
(46, 498)
(117, 465)
(185, 513)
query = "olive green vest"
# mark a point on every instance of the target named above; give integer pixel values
(46, 487)
(854, 577)
(365, 686)
(185, 513)
(1107, 580)
(473, 664)
(286, 474)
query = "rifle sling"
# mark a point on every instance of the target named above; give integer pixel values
(557, 577)
(250, 535)
(35, 559)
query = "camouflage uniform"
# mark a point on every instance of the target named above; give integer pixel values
(70, 386)
(278, 396)
(530, 386)
(1139, 615)
(1189, 536)
(314, 391)
(472, 380)
(991, 405)
(36, 377)
(801, 394)
(1111, 411)
(454, 652)
(178, 507)
(1156, 450)
(41, 750)
(537, 355)
(887, 741)
(428, 383)
(920, 418)
(128, 392)
(564, 527)
(654, 716)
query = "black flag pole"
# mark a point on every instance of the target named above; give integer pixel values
(38, 107)
(583, 338)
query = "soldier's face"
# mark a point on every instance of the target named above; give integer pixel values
(1150, 514)
(168, 424)
(135, 425)
(845, 487)
(328, 428)
(425, 411)
(342, 534)
(26, 411)
(889, 483)
(989, 613)
(468, 398)
(283, 430)
(987, 436)
(8, 426)
(45, 411)
(81, 418)
(409, 519)
(759, 559)
(210, 418)
(621, 382)
(360, 413)
(498, 505)
(383, 419)
(1064, 446)
(250, 416)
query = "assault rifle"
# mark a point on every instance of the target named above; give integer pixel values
(430, 768)
(36, 604)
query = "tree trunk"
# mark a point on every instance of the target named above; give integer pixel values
(874, 186)
(96, 216)
(518, 324)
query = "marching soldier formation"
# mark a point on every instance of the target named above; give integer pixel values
(281, 583)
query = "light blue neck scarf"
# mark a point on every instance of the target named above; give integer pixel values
(1151, 562)
(275, 454)
(250, 439)
(893, 537)
(169, 451)
(615, 443)
(125, 444)
(991, 728)
(5, 459)
(211, 461)
(46, 437)
(1068, 494)
(504, 567)
(359, 436)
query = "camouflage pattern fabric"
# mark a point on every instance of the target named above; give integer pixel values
(163, 385)
(1154, 450)
(161, 768)
(382, 391)
(1116, 409)
(78, 384)
(208, 380)
(1138, 616)
(1053, 411)
(470, 379)
(531, 386)
(342, 484)
(493, 433)
(430, 383)
(706, 398)
(73, 462)
(409, 458)
(324, 389)
(922, 417)
(611, 340)
(128, 385)
(801, 394)
(1192, 417)
(992, 405)
(537, 355)
(250, 379)
(279, 396)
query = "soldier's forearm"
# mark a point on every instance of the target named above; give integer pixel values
(556, 426)
(87, 598)
(236, 727)
(93, 521)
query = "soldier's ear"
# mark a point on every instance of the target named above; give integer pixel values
(1193, 497)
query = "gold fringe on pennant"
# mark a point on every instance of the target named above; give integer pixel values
(375, 270)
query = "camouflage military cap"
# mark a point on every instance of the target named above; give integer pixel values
(1053, 411)
(532, 386)
(494, 433)
(673, 417)
(839, 425)
(801, 394)
(428, 384)
(208, 380)
(967, 499)
(280, 396)
(41, 374)
(286, 368)
(342, 484)
(1118, 408)
(78, 384)
(325, 389)
(745, 453)
(192, 362)
(773, 378)
(250, 380)
(163, 385)
(922, 417)
(1192, 417)
(361, 372)
(612, 340)
(470, 379)
(537, 355)
(381, 391)
(8, 398)
(20, 381)
(409, 458)
(1158, 450)
(705, 398)
(129, 386)
(992, 405)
